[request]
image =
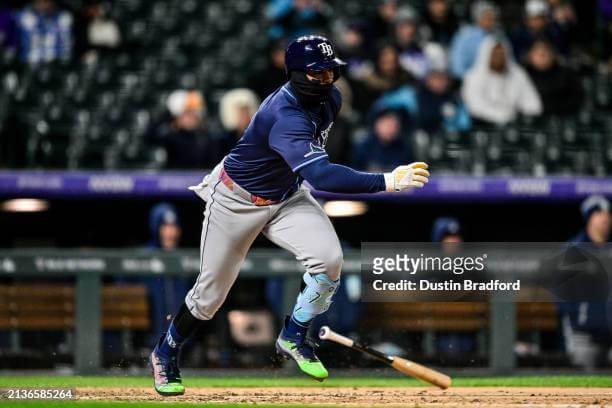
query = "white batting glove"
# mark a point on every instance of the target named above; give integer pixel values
(405, 177)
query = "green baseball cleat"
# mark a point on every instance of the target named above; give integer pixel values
(166, 375)
(304, 355)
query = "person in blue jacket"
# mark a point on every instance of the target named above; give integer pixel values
(586, 325)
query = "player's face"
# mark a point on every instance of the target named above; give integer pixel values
(324, 77)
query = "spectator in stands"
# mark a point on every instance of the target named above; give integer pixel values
(182, 132)
(539, 26)
(411, 55)
(496, 90)
(380, 27)
(586, 326)
(563, 15)
(447, 231)
(273, 75)
(558, 86)
(8, 29)
(351, 47)
(385, 147)
(294, 18)
(96, 31)
(432, 105)
(167, 293)
(466, 43)
(236, 109)
(45, 33)
(440, 22)
(387, 75)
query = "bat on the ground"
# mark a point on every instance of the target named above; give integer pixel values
(401, 364)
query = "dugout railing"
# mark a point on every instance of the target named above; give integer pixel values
(88, 267)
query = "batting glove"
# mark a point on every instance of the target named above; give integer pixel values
(405, 177)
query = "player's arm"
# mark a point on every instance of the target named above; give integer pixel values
(292, 138)
(326, 176)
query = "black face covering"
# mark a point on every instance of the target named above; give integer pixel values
(310, 93)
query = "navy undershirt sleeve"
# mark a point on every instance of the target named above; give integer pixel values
(335, 178)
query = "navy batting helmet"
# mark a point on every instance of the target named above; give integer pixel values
(311, 53)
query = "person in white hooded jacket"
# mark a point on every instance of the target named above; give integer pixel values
(496, 90)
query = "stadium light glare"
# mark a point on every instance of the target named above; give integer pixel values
(345, 208)
(24, 205)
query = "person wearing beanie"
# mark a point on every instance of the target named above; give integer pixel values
(539, 25)
(466, 43)
(586, 327)
(182, 132)
(446, 230)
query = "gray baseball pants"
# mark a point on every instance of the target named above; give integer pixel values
(231, 224)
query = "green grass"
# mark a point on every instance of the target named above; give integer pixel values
(128, 381)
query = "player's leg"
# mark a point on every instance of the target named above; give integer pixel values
(230, 226)
(302, 227)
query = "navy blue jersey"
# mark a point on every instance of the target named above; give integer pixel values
(282, 138)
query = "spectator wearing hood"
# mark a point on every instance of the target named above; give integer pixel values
(497, 90)
(45, 33)
(182, 133)
(440, 22)
(433, 105)
(167, 293)
(236, 109)
(559, 87)
(447, 231)
(539, 25)
(586, 325)
(467, 42)
(385, 147)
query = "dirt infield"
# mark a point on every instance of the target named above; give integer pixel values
(369, 397)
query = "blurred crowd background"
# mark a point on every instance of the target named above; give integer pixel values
(476, 87)
(501, 87)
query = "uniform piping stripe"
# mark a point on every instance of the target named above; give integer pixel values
(308, 162)
(212, 198)
(288, 93)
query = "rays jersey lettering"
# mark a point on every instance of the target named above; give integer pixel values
(318, 145)
(282, 138)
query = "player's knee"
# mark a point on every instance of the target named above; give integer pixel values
(333, 263)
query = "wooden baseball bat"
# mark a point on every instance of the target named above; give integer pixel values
(400, 364)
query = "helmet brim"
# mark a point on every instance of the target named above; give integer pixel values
(325, 65)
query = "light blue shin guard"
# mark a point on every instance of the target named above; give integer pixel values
(315, 298)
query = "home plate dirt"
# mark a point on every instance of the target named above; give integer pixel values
(368, 397)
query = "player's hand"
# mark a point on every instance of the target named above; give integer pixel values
(405, 177)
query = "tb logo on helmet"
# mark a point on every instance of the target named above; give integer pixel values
(326, 49)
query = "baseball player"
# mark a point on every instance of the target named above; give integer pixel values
(257, 188)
